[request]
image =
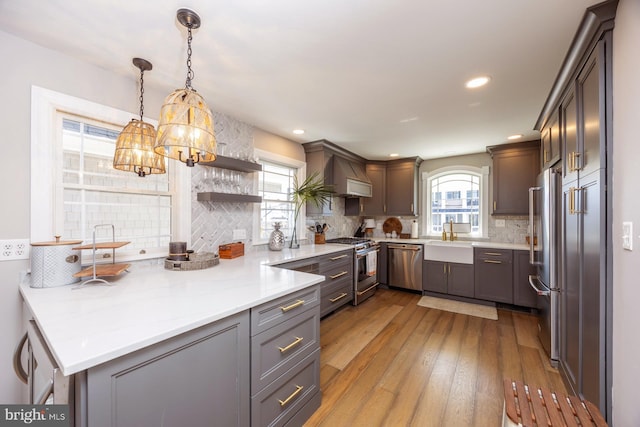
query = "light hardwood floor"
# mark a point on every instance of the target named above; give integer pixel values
(390, 362)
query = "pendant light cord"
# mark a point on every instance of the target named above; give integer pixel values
(189, 51)
(141, 93)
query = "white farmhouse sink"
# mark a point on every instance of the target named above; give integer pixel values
(446, 251)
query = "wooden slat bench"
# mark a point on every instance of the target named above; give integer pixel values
(537, 407)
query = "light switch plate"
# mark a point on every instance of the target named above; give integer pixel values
(627, 235)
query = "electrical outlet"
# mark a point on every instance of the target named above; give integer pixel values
(500, 223)
(239, 233)
(14, 249)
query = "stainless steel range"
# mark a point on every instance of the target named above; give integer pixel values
(365, 275)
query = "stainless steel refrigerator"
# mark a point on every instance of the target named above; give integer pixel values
(544, 202)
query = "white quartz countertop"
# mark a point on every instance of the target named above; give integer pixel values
(95, 324)
(474, 243)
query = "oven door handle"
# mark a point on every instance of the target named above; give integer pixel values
(364, 254)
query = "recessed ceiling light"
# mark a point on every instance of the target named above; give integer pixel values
(298, 131)
(512, 137)
(477, 82)
(394, 155)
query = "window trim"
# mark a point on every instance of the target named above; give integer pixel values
(46, 153)
(302, 173)
(482, 172)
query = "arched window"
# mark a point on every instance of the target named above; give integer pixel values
(457, 193)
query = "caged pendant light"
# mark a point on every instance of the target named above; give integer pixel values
(185, 128)
(134, 146)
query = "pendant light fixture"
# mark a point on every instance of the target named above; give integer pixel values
(134, 146)
(185, 128)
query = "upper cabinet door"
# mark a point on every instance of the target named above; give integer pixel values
(376, 204)
(590, 87)
(569, 137)
(551, 152)
(515, 169)
(402, 187)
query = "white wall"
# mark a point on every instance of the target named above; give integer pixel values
(626, 207)
(27, 64)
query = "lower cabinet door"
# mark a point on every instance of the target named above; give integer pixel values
(434, 276)
(199, 378)
(460, 279)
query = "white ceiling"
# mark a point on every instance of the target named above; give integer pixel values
(373, 76)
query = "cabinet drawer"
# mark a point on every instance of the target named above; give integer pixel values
(276, 350)
(279, 310)
(284, 397)
(499, 255)
(338, 274)
(340, 260)
(336, 295)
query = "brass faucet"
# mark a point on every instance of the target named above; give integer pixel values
(452, 235)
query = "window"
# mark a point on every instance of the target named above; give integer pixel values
(456, 194)
(274, 185)
(73, 142)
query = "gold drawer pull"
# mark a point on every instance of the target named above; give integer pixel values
(335, 258)
(339, 297)
(291, 396)
(342, 273)
(292, 306)
(493, 253)
(293, 344)
(490, 261)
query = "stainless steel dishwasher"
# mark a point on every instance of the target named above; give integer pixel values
(405, 266)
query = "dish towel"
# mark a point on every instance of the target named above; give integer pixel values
(372, 260)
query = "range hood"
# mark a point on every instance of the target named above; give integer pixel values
(350, 178)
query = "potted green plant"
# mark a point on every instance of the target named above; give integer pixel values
(311, 190)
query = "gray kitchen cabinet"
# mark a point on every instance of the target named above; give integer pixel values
(523, 293)
(448, 278)
(377, 203)
(401, 187)
(583, 96)
(200, 378)
(515, 169)
(382, 270)
(550, 141)
(285, 358)
(493, 274)
(337, 288)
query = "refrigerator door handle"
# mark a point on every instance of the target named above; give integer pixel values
(532, 254)
(542, 292)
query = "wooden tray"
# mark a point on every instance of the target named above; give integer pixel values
(103, 270)
(103, 245)
(392, 224)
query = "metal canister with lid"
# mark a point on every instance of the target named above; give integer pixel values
(54, 263)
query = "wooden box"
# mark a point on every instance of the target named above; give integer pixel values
(231, 250)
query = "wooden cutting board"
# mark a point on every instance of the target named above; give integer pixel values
(392, 224)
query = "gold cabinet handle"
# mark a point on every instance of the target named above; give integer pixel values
(411, 210)
(292, 306)
(342, 273)
(495, 205)
(492, 261)
(293, 344)
(291, 396)
(444, 268)
(572, 201)
(335, 258)
(449, 269)
(339, 297)
(493, 253)
(546, 155)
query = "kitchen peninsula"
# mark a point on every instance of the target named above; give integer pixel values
(107, 336)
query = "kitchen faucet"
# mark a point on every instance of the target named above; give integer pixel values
(452, 236)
